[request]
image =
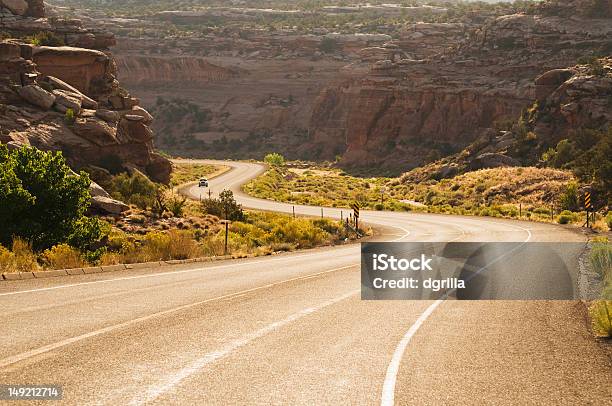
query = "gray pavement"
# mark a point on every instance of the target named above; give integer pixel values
(291, 329)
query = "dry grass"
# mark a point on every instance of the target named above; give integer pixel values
(259, 234)
(20, 258)
(189, 172)
(491, 192)
(601, 317)
(63, 256)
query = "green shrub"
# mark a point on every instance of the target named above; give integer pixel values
(601, 260)
(70, 117)
(41, 200)
(46, 38)
(565, 217)
(134, 189)
(176, 205)
(328, 45)
(570, 200)
(224, 207)
(609, 220)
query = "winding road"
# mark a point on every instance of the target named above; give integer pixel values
(291, 329)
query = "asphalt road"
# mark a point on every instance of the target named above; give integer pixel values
(291, 329)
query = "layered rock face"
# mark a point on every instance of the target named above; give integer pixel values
(140, 70)
(68, 99)
(570, 101)
(407, 112)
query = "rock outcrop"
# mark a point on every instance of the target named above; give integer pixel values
(27, 17)
(583, 100)
(68, 98)
(574, 102)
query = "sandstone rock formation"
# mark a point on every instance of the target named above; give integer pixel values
(68, 98)
(581, 101)
(576, 99)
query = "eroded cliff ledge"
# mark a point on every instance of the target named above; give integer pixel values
(68, 99)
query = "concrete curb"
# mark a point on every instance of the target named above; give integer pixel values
(16, 276)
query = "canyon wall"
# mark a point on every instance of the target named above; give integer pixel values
(145, 70)
(407, 112)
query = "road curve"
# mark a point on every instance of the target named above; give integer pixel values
(291, 329)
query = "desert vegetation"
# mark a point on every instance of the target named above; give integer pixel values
(601, 311)
(530, 193)
(45, 208)
(314, 14)
(44, 202)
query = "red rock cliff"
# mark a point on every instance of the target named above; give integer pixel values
(68, 98)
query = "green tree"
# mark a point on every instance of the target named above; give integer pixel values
(569, 198)
(274, 159)
(42, 200)
(224, 207)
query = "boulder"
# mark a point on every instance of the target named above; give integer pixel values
(36, 8)
(550, 81)
(107, 205)
(135, 130)
(132, 117)
(9, 50)
(65, 100)
(96, 190)
(108, 115)
(86, 101)
(19, 7)
(85, 69)
(37, 96)
(96, 131)
(139, 111)
(159, 169)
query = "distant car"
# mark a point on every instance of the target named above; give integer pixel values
(203, 182)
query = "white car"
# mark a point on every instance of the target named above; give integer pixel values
(203, 182)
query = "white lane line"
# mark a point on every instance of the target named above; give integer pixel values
(41, 350)
(388, 392)
(155, 391)
(152, 275)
